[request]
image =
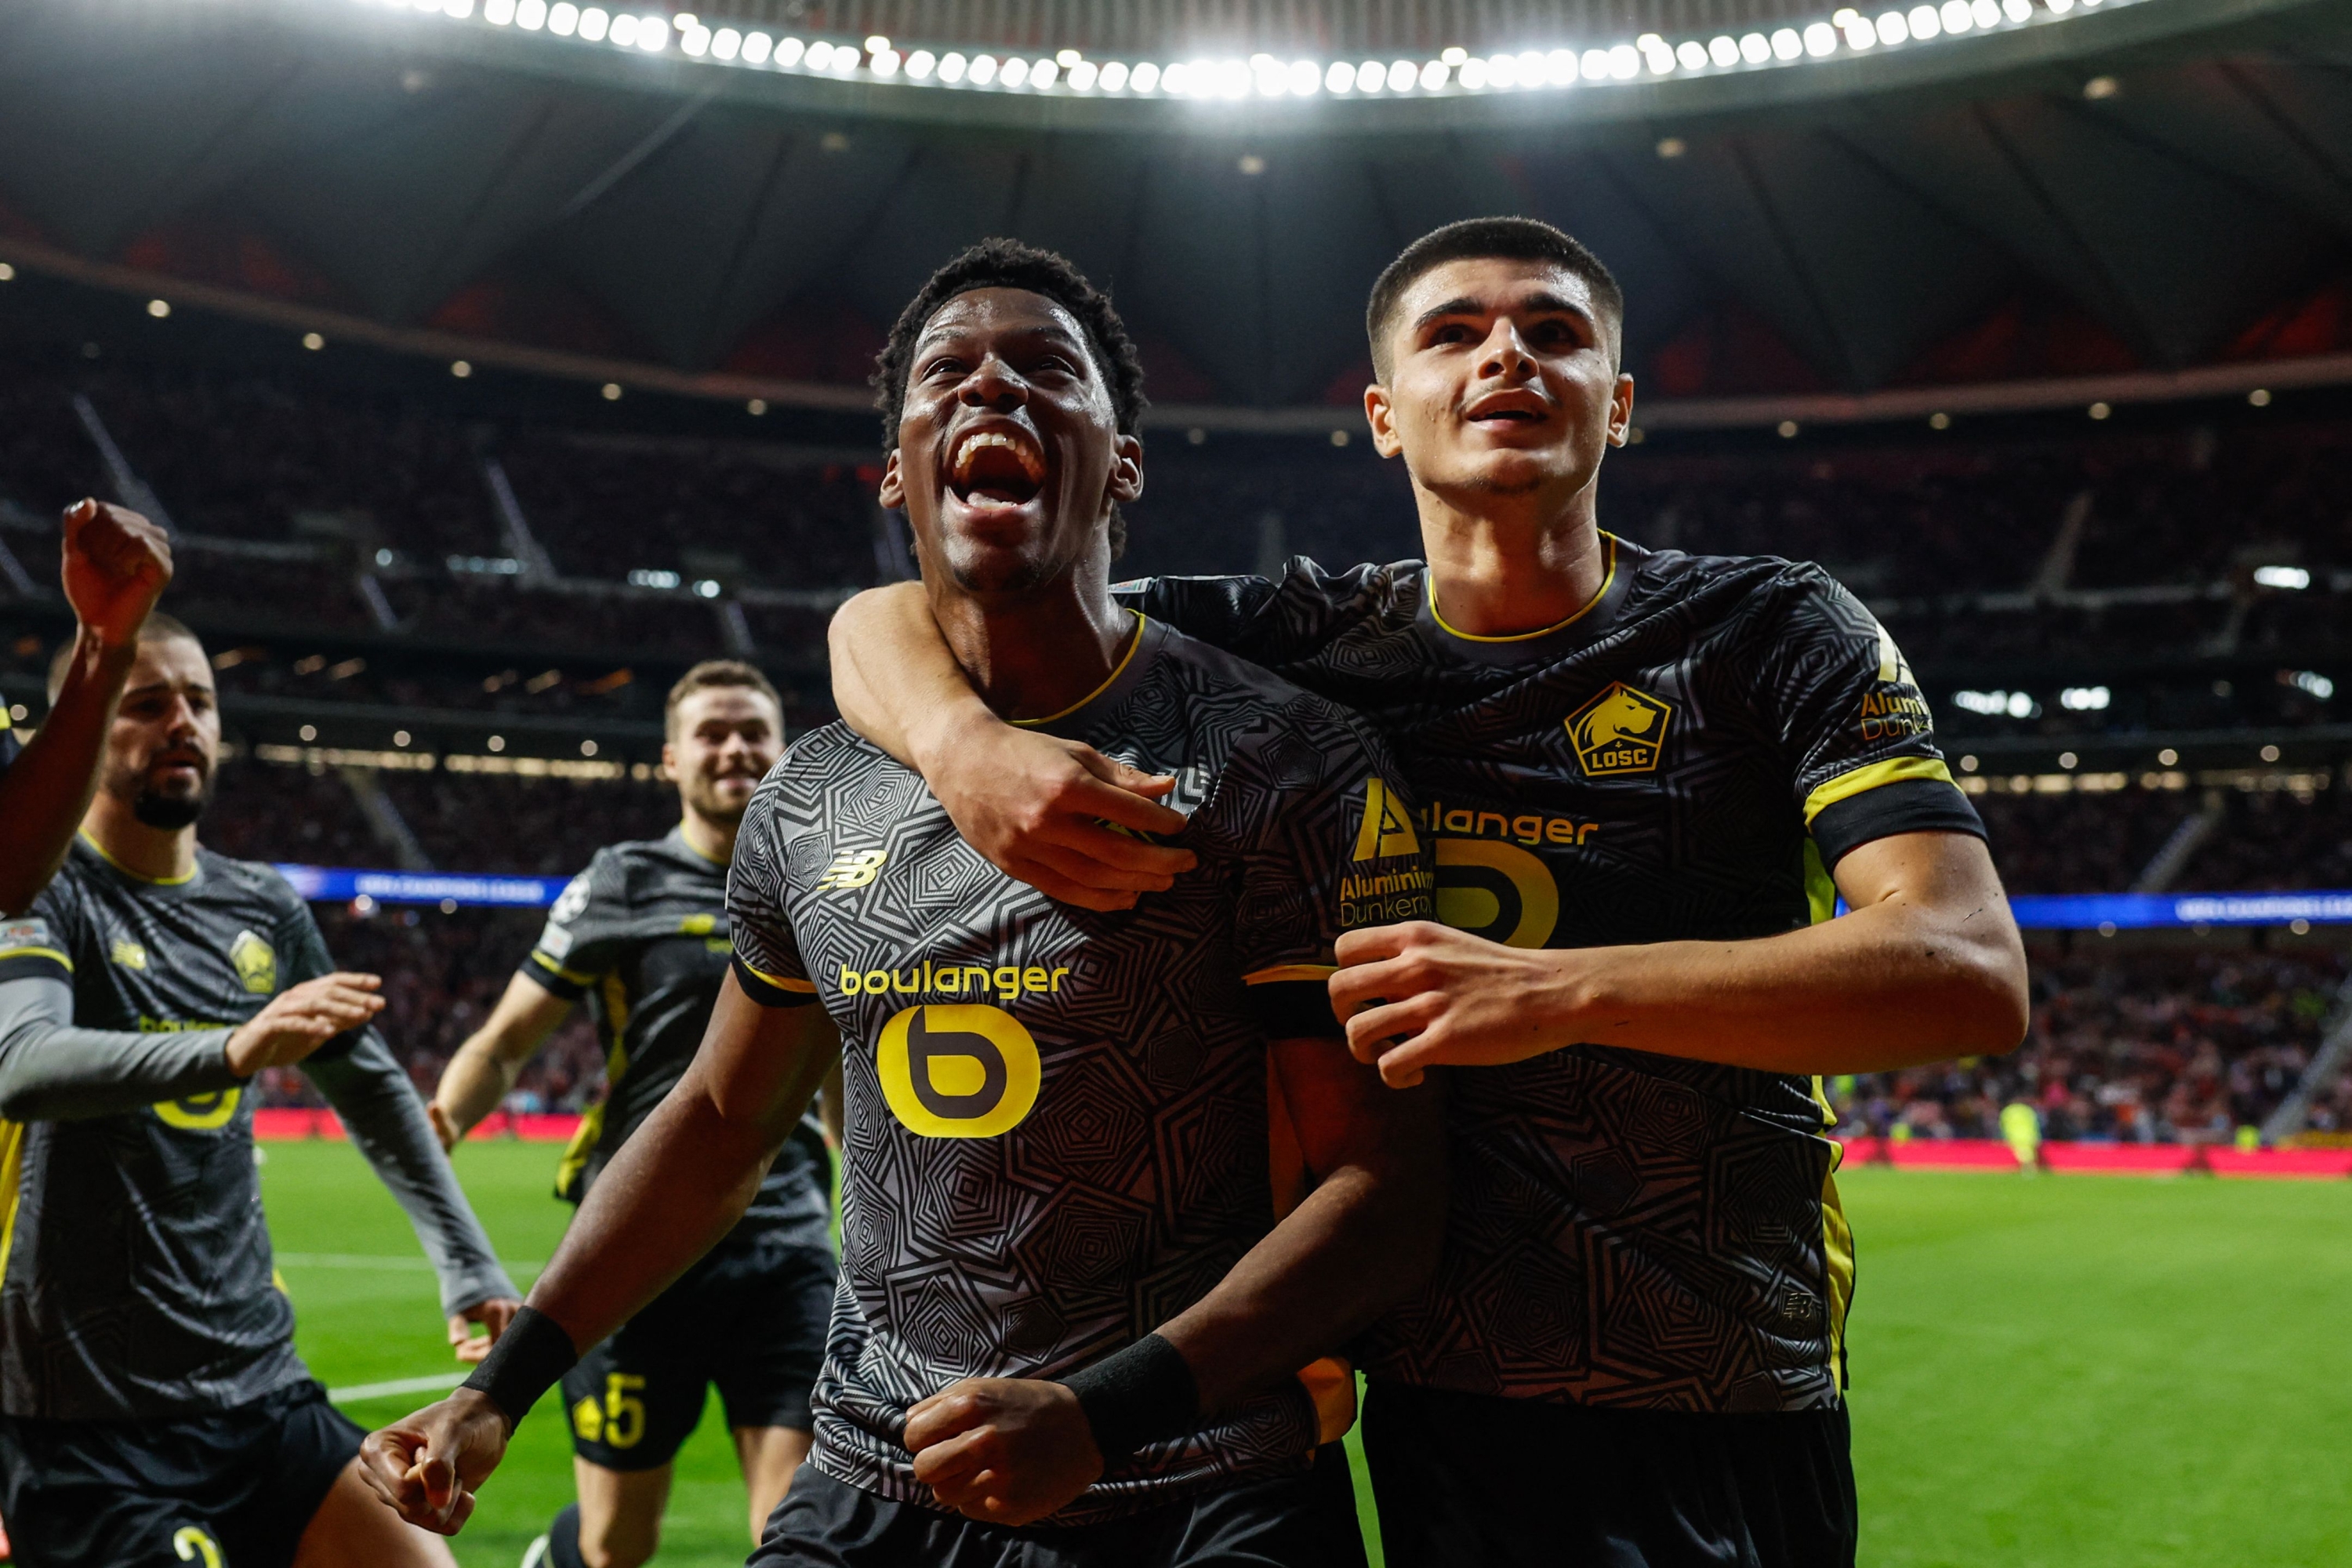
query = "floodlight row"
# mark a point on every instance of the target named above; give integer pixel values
(1068, 72)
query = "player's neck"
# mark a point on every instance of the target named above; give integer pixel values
(1505, 565)
(152, 854)
(1037, 652)
(713, 840)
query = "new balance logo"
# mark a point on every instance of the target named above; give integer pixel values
(852, 869)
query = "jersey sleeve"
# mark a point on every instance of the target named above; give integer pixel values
(53, 1070)
(10, 743)
(1268, 623)
(1853, 724)
(581, 941)
(1334, 848)
(767, 962)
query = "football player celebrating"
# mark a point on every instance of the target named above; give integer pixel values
(1650, 778)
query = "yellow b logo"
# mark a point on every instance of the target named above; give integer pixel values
(1498, 891)
(958, 1071)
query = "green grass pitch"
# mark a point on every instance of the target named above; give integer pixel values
(2075, 1371)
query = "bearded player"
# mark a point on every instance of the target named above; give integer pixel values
(153, 1409)
(1650, 777)
(1084, 1305)
(642, 935)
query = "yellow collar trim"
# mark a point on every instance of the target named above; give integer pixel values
(151, 881)
(695, 849)
(1133, 642)
(1600, 593)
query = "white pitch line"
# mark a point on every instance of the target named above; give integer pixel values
(358, 1391)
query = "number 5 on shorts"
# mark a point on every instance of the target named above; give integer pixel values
(624, 1412)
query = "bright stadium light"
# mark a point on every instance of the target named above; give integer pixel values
(2295, 577)
(1453, 71)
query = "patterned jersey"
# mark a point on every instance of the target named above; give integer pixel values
(135, 1266)
(641, 934)
(1058, 1120)
(1680, 760)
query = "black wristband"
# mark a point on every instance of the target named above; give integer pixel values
(530, 1358)
(1141, 1395)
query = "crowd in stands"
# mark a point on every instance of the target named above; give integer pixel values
(343, 481)
(464, 822)
(2170, 1044)
(443, 973)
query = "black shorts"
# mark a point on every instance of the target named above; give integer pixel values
(1467, 1480)
(1305, 1520)
(232, 1490)
(751, 1321)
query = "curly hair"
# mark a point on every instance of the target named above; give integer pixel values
(1010, 264)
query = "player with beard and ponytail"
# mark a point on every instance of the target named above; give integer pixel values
(642, 935)
(153, 1409)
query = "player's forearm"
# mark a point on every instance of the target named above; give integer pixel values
(1888, 986)
(894, 678)
(478, 1078)
(380, 1110)
(51, 1071)
(675, 1189)
(44, 794)
(1357, 1243)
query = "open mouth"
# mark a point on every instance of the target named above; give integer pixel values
(1508, 408)
(997, 467)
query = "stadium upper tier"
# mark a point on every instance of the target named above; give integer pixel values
(1987, 204)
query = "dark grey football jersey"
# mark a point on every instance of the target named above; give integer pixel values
(641, 934)
(135, 1272)
(1679, 761)
(1059, 1121)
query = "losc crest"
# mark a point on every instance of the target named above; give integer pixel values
(1620, 732)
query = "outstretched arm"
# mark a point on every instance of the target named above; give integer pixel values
(116, 562)
(53, 1070)
(1010, 1451)
(483, 1071)
(380, 1110)
(677, 1186)
(1927, 965)
(1034, 805)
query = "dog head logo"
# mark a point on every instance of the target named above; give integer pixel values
(1620, 732)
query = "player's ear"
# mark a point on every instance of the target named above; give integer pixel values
(893, 495)
(1621, 410)
(1380, 414)
(669, 761)
(1127, 468)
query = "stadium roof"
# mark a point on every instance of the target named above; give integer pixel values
(1814, 215)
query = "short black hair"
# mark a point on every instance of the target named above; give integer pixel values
(1010, 264)
(1503, 238)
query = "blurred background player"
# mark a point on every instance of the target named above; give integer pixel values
(116, 564)
(642, 934)
(152, 1408)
